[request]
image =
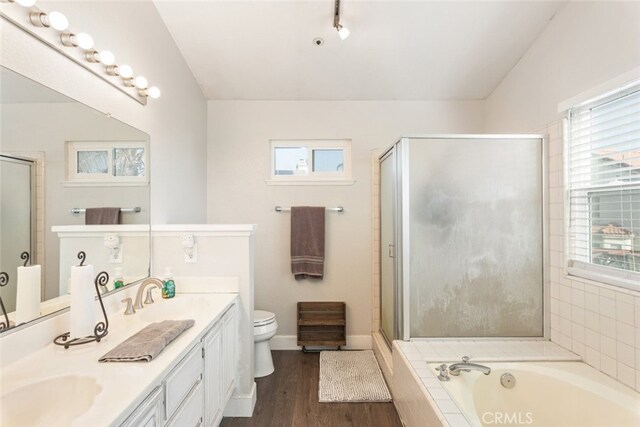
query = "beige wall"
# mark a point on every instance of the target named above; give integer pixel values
(238, 164)
(586, 44)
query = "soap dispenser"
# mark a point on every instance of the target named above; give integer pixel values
(118, 282)
(169, 286)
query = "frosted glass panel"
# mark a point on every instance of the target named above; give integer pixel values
(128, 162)
(93, 162)
(329, 160)
(387, 247)
(475, 237)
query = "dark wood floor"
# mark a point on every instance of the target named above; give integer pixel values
(289, 397)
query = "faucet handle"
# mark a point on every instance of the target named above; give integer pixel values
(465, 359)
(129, 310)
(149, 298)
(443, 372)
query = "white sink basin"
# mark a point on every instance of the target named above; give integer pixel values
(60, 400)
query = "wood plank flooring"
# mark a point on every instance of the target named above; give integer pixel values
(289, 398)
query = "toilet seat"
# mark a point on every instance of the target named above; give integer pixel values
(262, 318)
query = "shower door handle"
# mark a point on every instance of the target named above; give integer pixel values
(392, 251)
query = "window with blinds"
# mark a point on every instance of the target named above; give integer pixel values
(604, 186)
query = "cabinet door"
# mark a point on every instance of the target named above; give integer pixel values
(149, 413)
(212, 344)
(229, 336)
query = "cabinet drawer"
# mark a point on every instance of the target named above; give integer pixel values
(182, 380)
(190, 414)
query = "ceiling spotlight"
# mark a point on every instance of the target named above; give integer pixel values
(84, 40)
(125, 71)
(107, 58)
(58, 21)
(141, 82)
(26, 3)
(343, 32)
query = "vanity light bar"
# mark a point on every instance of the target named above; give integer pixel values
(84, 41)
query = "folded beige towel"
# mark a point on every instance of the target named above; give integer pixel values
(93, 216)
(307, 242)
(147, 343)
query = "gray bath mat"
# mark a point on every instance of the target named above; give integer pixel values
(351, 376)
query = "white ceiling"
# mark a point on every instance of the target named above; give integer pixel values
(409, 50)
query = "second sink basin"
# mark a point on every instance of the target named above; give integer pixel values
(55, 401)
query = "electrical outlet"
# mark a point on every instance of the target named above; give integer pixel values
(192, 256)
(117, 257)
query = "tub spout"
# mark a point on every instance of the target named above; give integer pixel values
(456, 368)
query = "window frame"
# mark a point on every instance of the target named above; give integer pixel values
(74, 178)
(312, 177)
(614, 276)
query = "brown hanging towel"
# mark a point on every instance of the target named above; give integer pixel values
(307, 242)
(94, 216)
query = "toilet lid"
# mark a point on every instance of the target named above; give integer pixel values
(261, 317)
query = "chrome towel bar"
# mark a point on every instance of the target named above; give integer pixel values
(82, 210)
(336, 209)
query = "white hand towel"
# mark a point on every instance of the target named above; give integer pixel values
(28, 294)
(83, 306)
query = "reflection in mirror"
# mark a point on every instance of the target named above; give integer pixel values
(57, 197)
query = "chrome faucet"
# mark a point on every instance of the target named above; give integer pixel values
(465, 366)
(149, 280)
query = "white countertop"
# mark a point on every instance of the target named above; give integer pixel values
(123, 385)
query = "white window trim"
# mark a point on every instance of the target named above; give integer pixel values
(74, 179)
(318, 178)
(602, 274)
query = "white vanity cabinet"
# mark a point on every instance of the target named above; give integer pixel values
(219, 366)
(196, 391)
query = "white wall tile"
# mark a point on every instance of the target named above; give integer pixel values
(607, 306)
(608, 346)
(626, 354)
(592, 301)
(625, 333)
(607, 326)
(593, 357)
(608, 365)
(625, 312)
(626, 375)
(592, 321)
(592, 339)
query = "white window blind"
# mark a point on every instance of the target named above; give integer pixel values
(604, 186)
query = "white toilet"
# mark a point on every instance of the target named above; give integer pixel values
(264, 328)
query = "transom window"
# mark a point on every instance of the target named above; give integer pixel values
(310, 160)
(107, 161)
(604, 186)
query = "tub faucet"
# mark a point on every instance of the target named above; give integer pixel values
(456, 368)
(149, 280)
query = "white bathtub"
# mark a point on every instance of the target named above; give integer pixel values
(560, 394)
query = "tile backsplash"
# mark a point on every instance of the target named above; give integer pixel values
(601, 323)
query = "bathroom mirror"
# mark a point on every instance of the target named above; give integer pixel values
(44, 137)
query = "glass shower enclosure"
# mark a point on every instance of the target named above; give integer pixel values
(462, 237)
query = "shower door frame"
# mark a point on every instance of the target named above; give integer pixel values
(403, 229)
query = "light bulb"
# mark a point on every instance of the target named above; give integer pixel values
(58, 21)
(125, 71)
(343, 32)
(107, 58)
(84, 40)
(153, 92)
(141, 82)
(26, 3)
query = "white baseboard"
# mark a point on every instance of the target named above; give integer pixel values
(241, 405)
(289, 342)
